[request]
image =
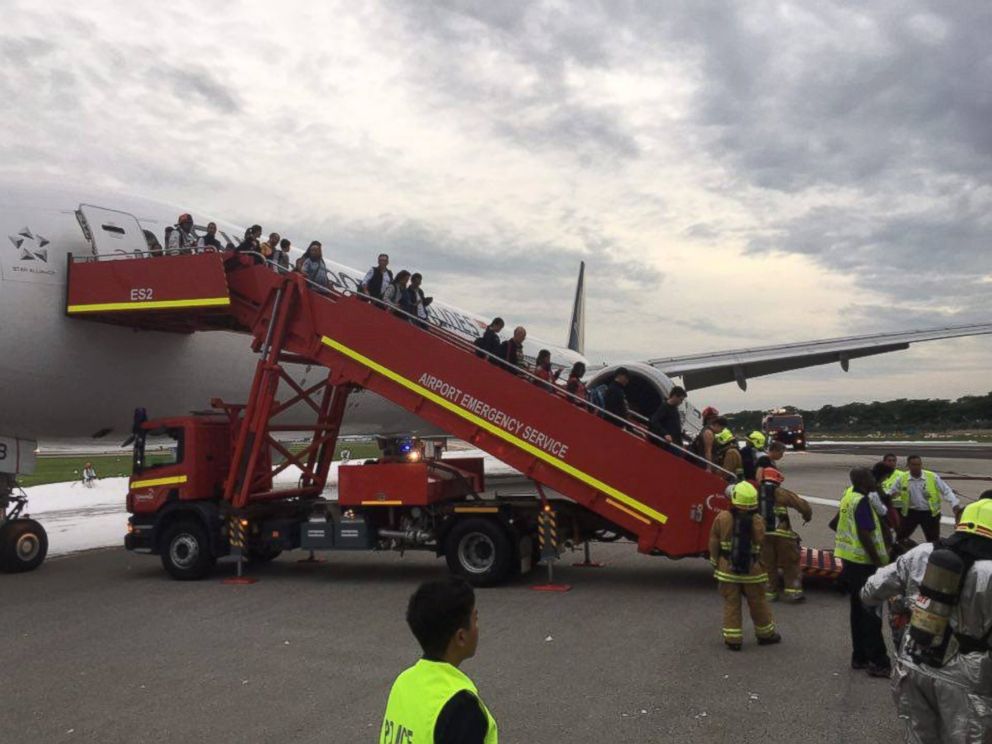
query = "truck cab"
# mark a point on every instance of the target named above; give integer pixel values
(177, 480)
(785, 427)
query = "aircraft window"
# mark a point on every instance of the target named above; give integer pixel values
(119, 231)
(158, 448)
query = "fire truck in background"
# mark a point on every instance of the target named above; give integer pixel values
(786, 427)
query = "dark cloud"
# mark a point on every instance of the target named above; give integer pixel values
(202, 85)
(511, 63)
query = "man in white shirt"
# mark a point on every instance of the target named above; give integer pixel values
(917, 495)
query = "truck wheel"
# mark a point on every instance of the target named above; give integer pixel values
(263, 554)
(186, 553)
(480, 551)
(23, 546)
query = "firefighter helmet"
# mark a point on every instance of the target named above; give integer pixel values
(724, 437)
(976, 519)
(772, 474)
(757, 439)
(744, 496)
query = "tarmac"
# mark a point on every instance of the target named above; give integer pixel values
(103, 647)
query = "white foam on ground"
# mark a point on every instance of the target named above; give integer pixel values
(80, 518)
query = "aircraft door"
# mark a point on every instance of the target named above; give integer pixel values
(111, 232)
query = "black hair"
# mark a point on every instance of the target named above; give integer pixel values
(418, 275)
(543, 354)
(677, 390)
(890, 454)
(722, 420)
(881, 471)
(776, 446)
(578, 369)
(437, 610)
(400, 276)
(284, 243)
(913, 457)
(499, 320)
(621, 371)
(985, 495)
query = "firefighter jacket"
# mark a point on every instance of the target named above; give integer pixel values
(721, 544)
(785, 500)
(963, 685)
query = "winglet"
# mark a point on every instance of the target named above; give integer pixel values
(577, 329)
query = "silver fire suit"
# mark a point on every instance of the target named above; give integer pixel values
(951, 704)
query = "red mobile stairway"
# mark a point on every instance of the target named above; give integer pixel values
(665, 500)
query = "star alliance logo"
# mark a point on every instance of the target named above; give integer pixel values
(30, 246)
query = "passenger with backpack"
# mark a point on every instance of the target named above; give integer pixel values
(615, 399)
(512, 350)
(489, 341)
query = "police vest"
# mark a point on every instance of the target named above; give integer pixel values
(418, 696)
(929, 485)
(848, 546)
(887, 485)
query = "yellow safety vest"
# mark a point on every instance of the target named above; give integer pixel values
(901, 496)
(418, 696)
(847, 546)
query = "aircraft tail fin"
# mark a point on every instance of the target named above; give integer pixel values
(577, 328)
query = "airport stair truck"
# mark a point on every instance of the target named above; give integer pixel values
(216, 494)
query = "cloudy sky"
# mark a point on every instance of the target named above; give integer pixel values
(733, 174)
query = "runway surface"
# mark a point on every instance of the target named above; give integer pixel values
(965, 450)
(101, 646)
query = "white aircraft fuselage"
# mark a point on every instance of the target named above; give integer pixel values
(64, 378)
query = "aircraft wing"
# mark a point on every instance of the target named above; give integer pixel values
(715, 368)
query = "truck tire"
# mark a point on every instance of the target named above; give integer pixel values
(480, 551)
(186, 553)
(23, 546)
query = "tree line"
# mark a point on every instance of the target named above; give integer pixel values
(902, 415)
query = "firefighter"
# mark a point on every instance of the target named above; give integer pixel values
(434, 702)
(735, 547)
(752, 450)
(943, 676)
(780, 551)
(725, 452)
(89, 475)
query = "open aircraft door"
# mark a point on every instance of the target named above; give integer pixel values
(110, 231)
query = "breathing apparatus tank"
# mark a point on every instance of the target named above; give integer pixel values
(766, 504)
(939, 591)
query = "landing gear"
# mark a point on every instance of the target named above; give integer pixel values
(23, 542)
(23, 545)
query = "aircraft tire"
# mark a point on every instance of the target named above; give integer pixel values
(23, 546)
(480, 551)
(186, 553)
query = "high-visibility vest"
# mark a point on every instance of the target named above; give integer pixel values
(848, 547)
(929, 485)
(418, 696)
(887, 485)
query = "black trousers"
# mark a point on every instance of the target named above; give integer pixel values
(867, 643)
(919, 518)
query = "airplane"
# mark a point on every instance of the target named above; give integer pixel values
(67, 379)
